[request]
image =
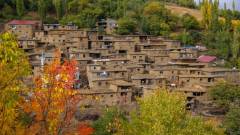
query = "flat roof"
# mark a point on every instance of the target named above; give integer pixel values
(146, 76)
(200, 76)
(121, 83)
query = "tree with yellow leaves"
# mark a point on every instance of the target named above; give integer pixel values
(13, 67)
(164, 113)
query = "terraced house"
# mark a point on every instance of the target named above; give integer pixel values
(117, 69)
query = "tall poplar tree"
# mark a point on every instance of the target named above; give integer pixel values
(236, 47)
(59, 7)
(42, 7)
(20, 7)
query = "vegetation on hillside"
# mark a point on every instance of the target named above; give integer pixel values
(217, 30)
(221, 35)
(227, 97)
(162, 113)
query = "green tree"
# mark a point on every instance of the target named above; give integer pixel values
(20, 7)
(186, 38)
(236, 46)
(107, 124)
(42, 9)
(225, 94)
(164, 113)
(59, 7)
(126, 26)
(7, 11)
(232, 121)
(156, 19)
(189, 22)
(187, 3)
(13, 67)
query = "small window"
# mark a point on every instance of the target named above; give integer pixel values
(209, 79)
(134, 57)
(99, 83)
(123, 93)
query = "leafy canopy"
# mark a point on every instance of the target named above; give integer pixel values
(13, 67)
(164, 113)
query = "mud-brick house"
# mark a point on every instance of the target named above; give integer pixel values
(99, 76)
(194, 95)
(123, 47)
(203, 80)
(137, 57)
(113, 61)
(77, 39)
(105, 97)
(23, 29)
(124, 89)
(48, 27)
(207, 60)
(232, 75)
(148, 80)
(28, 44)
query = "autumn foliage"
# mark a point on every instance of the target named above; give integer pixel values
(53, 100)
(85, 129)
(13, 67)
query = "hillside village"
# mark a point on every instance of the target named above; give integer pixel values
(117, 69)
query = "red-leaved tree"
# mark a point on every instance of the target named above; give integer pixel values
(53, 99)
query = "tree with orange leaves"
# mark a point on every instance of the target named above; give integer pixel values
(85, 129)
(53, 100)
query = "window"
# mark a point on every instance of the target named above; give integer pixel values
(209, 79)
(134, 57)
(123, 94)
(99, 83)
(83, 55)
(197, 94)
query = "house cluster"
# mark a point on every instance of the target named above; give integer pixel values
(116, 69)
